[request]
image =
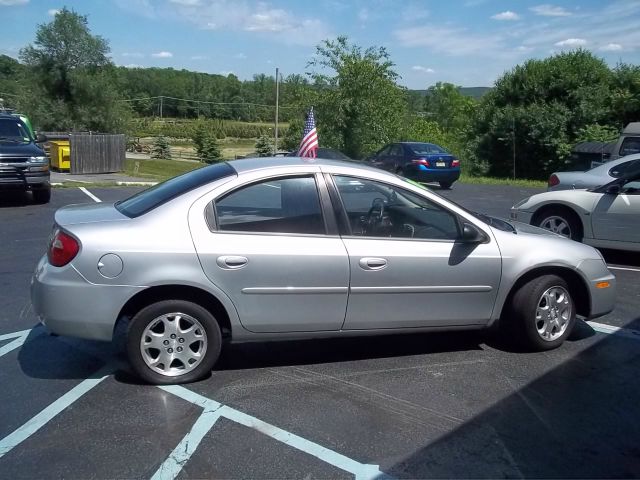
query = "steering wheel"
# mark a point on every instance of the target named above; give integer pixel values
(374, 216)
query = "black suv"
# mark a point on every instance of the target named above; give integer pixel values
(23, 164)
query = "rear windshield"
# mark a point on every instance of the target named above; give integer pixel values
(425, 148)
(147, 200)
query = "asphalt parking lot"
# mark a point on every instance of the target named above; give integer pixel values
(437, 405)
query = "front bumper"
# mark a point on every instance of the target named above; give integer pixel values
(67, 304)
(521, 216)
(15, 178)
(596, 273)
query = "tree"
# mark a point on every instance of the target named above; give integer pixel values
(264, 146)
(73, 81)
(446, 105)
(161, 148)
(536, 112)
(208, 150)
(359, 106)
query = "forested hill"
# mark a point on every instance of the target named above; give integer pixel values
(191, 94)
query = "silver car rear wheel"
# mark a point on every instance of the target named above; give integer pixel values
(173, 344)
(553, 313)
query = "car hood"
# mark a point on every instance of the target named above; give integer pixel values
(583, 199)
(88, 213)
(12, 149)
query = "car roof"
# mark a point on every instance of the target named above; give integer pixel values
(613, 163)
(250, 164)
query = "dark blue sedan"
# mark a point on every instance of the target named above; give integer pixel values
(423, 162)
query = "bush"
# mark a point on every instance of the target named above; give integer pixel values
(264, 146)
(209, 150)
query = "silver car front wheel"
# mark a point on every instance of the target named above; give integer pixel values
(541, 313)
(173, 341)
(557, 225)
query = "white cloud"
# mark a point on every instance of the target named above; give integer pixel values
(547, 10)
(259, 18)
(449, 40)
(199, 57)
(189, 3)
(11, 3)
(572, 43)
(226, 73)
(420, 68)
(162, 54)
(363, 15)
(508, 15)
(240, 56)
(132, 54)
(132, 65)
(414, 12)
(523, 49)
(53, 12)
(611, 47)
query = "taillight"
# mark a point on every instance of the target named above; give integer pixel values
(553, 180)
(62, 249)
(455, 162)
(421, 161)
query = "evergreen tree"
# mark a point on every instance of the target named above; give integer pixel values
(209, 150)
(161, 148)
(264, 146)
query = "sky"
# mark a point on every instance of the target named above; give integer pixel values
(465, 42)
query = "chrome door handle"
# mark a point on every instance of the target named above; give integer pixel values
(232, 262)
(372, 263)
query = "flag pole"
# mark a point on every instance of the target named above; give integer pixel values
(275, 143)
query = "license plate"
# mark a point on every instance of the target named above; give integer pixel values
(440, 164)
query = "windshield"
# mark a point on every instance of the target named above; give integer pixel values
(13, 130)
(425, 148)
(147, 200)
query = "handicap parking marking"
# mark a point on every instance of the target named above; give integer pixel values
(213, 410)
(617, 331)
(626, 269)
(90, 195)
(22, 433)
(18, 340)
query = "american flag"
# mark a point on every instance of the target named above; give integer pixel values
(309, 144)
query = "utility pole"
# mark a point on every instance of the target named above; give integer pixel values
(275, 143)
(513, 138)
(161, 98)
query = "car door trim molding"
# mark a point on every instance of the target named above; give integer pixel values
(423, 289)
(293, 290)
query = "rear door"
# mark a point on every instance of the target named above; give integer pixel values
(407, 267)
(271, 249)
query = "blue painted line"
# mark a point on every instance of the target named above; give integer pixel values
(171, 468)
(41, 419)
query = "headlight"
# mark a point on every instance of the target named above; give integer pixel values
(37, 159)
(521, 202)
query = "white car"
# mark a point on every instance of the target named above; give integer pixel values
(605, 217)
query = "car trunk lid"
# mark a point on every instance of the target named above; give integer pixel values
(88, 213)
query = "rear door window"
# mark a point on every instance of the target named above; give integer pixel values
(280, 205)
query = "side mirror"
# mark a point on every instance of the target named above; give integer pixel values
(613, 190)
(472, 234)
(40, 138)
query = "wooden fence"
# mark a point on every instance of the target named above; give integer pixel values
(97, 153)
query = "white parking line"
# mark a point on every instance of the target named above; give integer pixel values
(624, 268)
(618, 331)
(91, 195)
(19, 339)
(41, 419)
(214, 410)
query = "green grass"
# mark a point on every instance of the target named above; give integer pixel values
(502, 181)
(158, 170)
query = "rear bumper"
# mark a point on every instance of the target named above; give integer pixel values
(424, 174)
(69, 305)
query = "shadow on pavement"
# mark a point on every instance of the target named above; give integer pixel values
(15, 198)
(581, 420)
(621, 257)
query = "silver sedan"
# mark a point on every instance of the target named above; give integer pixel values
(595, 177)
(272, 249)
(605, 217)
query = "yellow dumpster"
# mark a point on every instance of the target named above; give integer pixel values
(60, 153)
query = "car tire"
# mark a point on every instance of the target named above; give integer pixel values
(541, 313)
(445, 185)
(183, 331)
(42, 196)
(559, 220)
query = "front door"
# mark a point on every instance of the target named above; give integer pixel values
(269, 252)
(617, 217)
(407, 268)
